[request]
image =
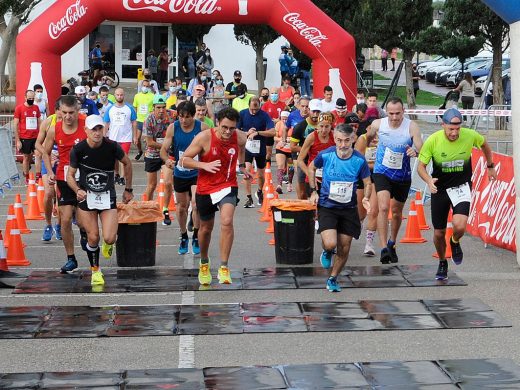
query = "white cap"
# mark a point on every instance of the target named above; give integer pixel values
(315, 105)
(80, 89)
(284, 114)
(93, 121)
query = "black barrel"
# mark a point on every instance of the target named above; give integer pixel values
(135, 244)
(294, 236)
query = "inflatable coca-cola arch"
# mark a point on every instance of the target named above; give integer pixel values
(66, 22)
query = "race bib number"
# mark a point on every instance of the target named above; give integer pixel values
(119, 119)
(66, 170)
(83, 111)
(459, 194)
(393, 160)
(216, 197)
(253, 146)
(31, 123)
(98, 200)
(182, 169)
(319, 172)
(143, 109)
(341, 191)
(159, 140)
(370, 154)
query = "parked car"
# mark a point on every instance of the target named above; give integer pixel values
(453, 78)
(476, 73)
(480, 83)
(421, 68)
(432, 71)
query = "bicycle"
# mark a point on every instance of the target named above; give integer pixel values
(111, 78)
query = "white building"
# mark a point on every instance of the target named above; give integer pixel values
(127, 44)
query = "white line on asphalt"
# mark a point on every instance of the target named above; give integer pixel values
(187, 342)
(25, 296)
(79, 246)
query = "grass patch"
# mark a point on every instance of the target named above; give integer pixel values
(424, 98)
(378, 76)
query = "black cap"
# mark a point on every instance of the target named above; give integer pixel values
(237, 73)
(181, 92)
(351, 118)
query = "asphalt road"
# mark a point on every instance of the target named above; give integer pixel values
(492, 276)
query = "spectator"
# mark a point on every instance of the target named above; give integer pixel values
(154, 88)
(232, 86)
(217, 93)
(201, 79)
(206, 61)
(241, 102)
(393, 57)
(305, 75)
(285, 61)
(152, 61)
(467, 89)
(384, 60)
(188, 66)
(293, 69)
(164, 62)
(201, 52)
(415, 79)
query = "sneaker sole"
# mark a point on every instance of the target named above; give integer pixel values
(441, 278)
(369, 254)
(456, 262)
(333, 290)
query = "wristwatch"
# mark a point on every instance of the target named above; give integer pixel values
(129, 190)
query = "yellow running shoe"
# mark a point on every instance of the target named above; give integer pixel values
(97, 278)
(106, 250)
(224, 276)
(204, 273)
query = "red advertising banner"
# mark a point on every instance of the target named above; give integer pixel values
(492, 214)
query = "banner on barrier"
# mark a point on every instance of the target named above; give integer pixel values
(463, 112)
(492, 214)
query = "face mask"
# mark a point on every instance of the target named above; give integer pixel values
(81, 99)
(30, 102)
(219, 82)
(274, 97)
(172, 88)
(104, 98)
(98, 46)
(39, 95)
(213, 76)
(147, 77)
(265, 98)
(207, 53)
(241, 96)
(360, 101)
(237, 80)
(145, 90)
(100, 83)
(203, 78)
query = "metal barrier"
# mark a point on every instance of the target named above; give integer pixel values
(6, 121)
(494, 107)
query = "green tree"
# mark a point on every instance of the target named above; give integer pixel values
(257, 36)
(191, 32)
(481, 22)
(15, 14)
(397, 23)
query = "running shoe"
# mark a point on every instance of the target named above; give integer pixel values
(259, 195)
(97, 278)
(279, 189)
(442, 270)
(195, 246)
(326, 259)
(205, 273)
(369, 249)
(249, 203)
(332, 284)
(386, 257)
(138, 156)
(224, 276)
(69, 266)
(106, 250)
(47, 233)
(393, 253)
(57, 232)
(456, 252)
(83, 239)
(166, 221)
(183, 247)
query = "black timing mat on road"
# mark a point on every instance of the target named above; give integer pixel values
(428, 375)
(175, 279)
(237, 318)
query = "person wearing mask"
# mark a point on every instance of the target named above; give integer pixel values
(171, 93)
(231, 88)
(103, 101)
(164, 62)
(154, 87)
(41, 101)
(96, 59)
(360, 98)
(206, 61)
(467, 92)
(189, 68)
(241, 102)
(152, 61)
(264, 96)
(201, 52)
(201, 79)
(217, 94)
(26, 124)
(88, 107)
(143, 105)
(274, 106)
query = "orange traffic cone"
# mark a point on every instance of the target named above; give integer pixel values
(267, 214)
(144, 197)
(171, 204)
(270, 228)
(449, 233)
(31, 181)
(420, 211)
(160, 198)
(413, 233)
(18, 212)
(3, 258)
(33, 211)
(254, 174)
(9, 224)
(15, 252)
(271, 241)
(40, 192)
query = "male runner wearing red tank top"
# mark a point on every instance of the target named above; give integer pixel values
(65, 134)
(219, 150)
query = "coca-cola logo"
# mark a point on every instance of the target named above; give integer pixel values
(74, 13)
(205, 7)
(312, 34)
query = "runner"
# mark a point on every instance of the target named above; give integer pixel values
(178, 137)
(65, 134)
(337, 203)
(95, 158)
(284, 161)
(217, 189)
(392, 171)
(143, 104)
(450, 150)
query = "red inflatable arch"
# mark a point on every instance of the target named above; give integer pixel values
(66, 22)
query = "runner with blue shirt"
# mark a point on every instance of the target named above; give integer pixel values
(337, 202)
(392, 171)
